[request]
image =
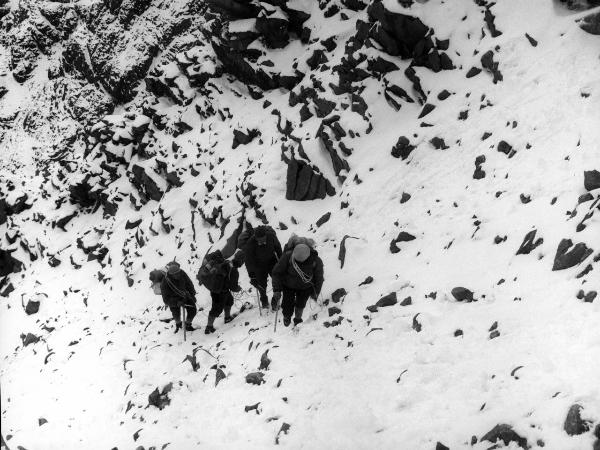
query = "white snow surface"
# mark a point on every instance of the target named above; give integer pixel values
(372, 382)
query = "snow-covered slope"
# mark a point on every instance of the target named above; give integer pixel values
(146, 131)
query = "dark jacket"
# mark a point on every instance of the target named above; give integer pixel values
(233, 280)
(286, 277)
(262, 258)
(177, 288)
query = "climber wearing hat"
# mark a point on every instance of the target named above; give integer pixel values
(178, 290)
(299, 275)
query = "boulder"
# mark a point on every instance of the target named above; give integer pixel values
(403, 236)
(462, 294)
(387, 300)
(398, 34)
(529, 243)
(566, 258)
(256, 378)
(305, 182)
(574, 424)
(403, 148)
(591, 180)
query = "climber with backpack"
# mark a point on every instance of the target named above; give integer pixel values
(177, 292)
(298, 275)
(220, 277)
(261, 250)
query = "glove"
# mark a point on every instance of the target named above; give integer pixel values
(237, 288)
(276, 296)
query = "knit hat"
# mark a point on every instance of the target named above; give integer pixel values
(173, 267)
(301, 252)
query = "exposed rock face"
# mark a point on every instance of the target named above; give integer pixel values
(506, 434)
(574, 424)
(305, 182)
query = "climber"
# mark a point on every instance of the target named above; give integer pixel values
(177, 291)
(299, 275)
(220, 277)
(261, 250)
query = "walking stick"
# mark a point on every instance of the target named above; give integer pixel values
(183, 315)
(276, 314)
(258, 301)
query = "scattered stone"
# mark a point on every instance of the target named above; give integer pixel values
(531, 40)
(265, 361)
(256, 378)
(33, 306)
(462, 294)
(252, 408)
(443, 95)
(440, 446)
(285, 428)
(506, 434)
(338, 295)
(323, 219)
(416, 325)
(438, 143)
(405, 197)
(160, 399)
(406, 302)
(506, 148)
(403, 148)
(564, 259)
(333, 310)
(488, 63)
(426, 110)
(574, 424)
(29, 338)
(458, 333)
(529, 243)
(591, 180)
(590, 297)
(473, 71)
(403, 236)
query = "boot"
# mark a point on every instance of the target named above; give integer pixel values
(189, 327)
(228, 316)
(209, 325)
(264, 303)
(298, 314)
(177, 327)
(287, 321)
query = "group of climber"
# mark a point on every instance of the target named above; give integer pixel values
(296, 275)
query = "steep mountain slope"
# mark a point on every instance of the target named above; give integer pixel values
(426, 147)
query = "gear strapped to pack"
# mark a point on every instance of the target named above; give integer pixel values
(304, 277)
(183, 294)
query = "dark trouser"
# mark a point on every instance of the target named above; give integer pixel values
(294, 299)
(260, 282)
(190, 313)
(220, 301)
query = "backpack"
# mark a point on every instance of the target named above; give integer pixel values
(214, 272)
(295, 240)
(156, 277)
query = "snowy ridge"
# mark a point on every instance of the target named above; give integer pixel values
(205, 140)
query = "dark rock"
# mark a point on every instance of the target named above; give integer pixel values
(387, 300)
(458, 333)
(342, 252)
(403, 236)
(333, 310)
(323, 219)
(256, 378)
(29, 338)
(506, 148)
(274, 30)
(8, 264)
(398, 34)
(406, 302)
(318, 57)
(574, 424)
(416, 325)
(405, 197)
(160, 399)
(591, 24)
(462, 294)
(33, 306)
(265, 361)
(131, 225)
(590, 297)
(381, 65)
(241, 138)
(440, 446)
(529, 243)
(531, 40)
(438, 143)
(338, 295)
(146, 186)
(489, 20)
(591, 180)
(443, 95)
(354, 5)
(506, 434)
(366, 281)
(587, 197)
(473, 71)
(488, 63)
(305, 182)
(566, 258)
(403, 148)
(426, 110)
